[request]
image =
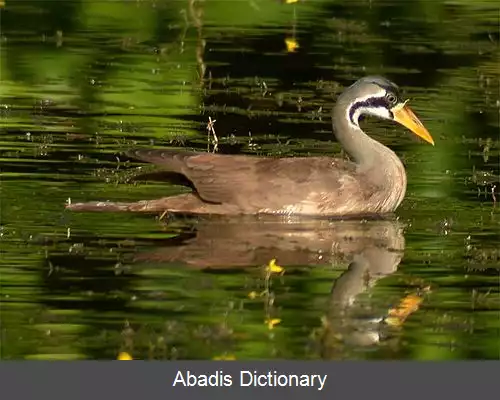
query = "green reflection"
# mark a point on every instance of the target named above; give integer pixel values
(81, 81)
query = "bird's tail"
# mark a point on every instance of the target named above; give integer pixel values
(187, 203)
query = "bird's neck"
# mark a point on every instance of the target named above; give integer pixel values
(364, 150)
(371, 157)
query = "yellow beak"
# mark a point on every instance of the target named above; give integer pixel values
(405, 116)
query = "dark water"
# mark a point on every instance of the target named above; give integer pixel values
(81, 81)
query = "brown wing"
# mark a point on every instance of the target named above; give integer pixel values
(303, 179)
(220, 178)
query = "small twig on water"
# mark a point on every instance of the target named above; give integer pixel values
(211, 130)
(163, 215)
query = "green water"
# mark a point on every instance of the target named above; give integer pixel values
(82, 81)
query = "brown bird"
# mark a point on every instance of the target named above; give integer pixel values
(373, 182)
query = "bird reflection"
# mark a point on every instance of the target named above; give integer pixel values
(372, 249)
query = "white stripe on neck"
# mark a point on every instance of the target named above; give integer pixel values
(381, 112)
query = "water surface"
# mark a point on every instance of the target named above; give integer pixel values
(82, 81)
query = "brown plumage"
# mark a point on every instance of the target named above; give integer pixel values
(373, 182)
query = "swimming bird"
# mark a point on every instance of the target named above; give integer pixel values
(372, 181)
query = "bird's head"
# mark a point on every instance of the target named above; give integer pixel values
(377, 96)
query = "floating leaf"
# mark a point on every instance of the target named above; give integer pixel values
(406, 307)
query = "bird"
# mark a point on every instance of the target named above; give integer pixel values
(371, 182)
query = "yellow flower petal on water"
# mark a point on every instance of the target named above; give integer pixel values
(274, 268)
(272, 322)
(391, 321)
(291, 45)
(226, 357)
(252, 295)
(406, 307)
(124, 356)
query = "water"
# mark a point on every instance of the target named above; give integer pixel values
(83, 81)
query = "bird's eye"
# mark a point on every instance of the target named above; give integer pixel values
(391, 98)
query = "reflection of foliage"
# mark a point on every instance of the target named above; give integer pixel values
(131, 62)
(122, 60)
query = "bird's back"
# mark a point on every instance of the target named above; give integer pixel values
(298, 185)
